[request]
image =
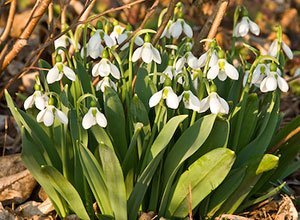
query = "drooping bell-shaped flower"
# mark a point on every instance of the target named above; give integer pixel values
(166, 33)
(105, 82)
(213, 59)
(147, 52)
(93, 117)
(170, 72)
(56, 73)
(222, 69)
(167, 94)
(215, 103)
(274, 49)
(273, 80)
(37, 98)
(105, 67)
(190, 101)
(188, 59)
(62, 41)
(180, 26)
(258, 74)
(117, 31)
(49, 113)
(243, 27)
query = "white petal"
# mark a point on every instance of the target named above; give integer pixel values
(204, 104)
(115, 71)
(194, 102)
(222, 75)
(224, 106)
(104, 67)
(156, 55)
(137, 54)
(271, 83)
(70, 74)
(101, 120)
(40, 115)
(213, 59)
(214, 103)
(139, 41)
(95, 71)
(193, 61)
(94, 41)
(263, 87)
(48, 118)
(273, 48)
(109, 41)
(254, 27)
(243, 28)
(202, 59)
(29, 102)
(282, 84)
(155, 99)
(172, 99)
(231, 71)
(235, 31)
(88, 120)
(213, 72)
(40, 102)
(147, 54)
(53, 75)
(61, 116)
(180, 64)
(176, 29)
(245, 78)
(288, 52)
(121, 38)
(187, 30)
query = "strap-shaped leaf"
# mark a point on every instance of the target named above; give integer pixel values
(156, 152)
(66, 190)
(114, 181)
(202, 177)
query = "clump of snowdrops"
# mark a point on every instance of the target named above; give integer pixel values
(143, 127)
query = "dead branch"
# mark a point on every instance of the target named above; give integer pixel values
(165, 21)
(10, 19)
(211, 25)
(23, 38)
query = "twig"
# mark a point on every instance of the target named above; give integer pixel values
(146, 18)
(22, 41)
(165, 21)
(284, 140)
(10, 19)
(211, 25)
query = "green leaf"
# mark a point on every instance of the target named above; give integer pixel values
(156, 153)
(66, 190)
(32, 157)
(116, 121)
(188, 143)
(201, 178)
(114, 181)
(84, 78)
(95, 177)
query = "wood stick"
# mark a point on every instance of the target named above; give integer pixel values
(10, 19)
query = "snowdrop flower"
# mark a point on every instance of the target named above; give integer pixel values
(147, 52)
(213, 59)
(56, 73)
(188, 58)
(223, 69)
(61, 42)
(274, 48)
(215, 103)
(117, 31)
(243, 27)
(105, 82)
(274, 80)
(93, 117)
(105, 68)
(179, 26)
(258, 74)
(190, 101)
(170, 72)
(120, 39)
(166, 33)
(166, 93)
(49, 113)
(94, 46)
(38, 99)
